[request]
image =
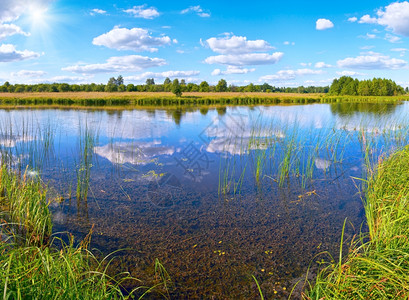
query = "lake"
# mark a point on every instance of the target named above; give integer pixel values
(216, 194)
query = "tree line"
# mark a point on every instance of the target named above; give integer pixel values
(175, 86)
(376, 87)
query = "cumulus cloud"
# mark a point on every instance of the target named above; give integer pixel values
(232, 70)
(118, 64)
(367, 19)
(170, 74)
(323, 24)
(9, 30)
(237, 45)
(144, 12)
(136, 39)
(350, 73)
(245, 59)
(97, 11)
(352, 19)
(196, 9)
(372, 60)
(28, 73)
(394, 17)
(8, 53)
(290, 74)
(321, 65)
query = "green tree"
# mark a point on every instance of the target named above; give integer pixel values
(150, 81)
(119, 80)
(221, 86)
(204, 87)
(176, 88)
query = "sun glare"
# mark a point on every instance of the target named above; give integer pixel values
(38, 15)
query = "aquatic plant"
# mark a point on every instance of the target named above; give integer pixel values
(376, 265)
(36, 264)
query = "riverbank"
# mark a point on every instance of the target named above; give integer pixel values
(37, 265)
(377, 265)
(143, 99)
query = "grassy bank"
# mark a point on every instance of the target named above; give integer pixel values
(36, 265)
(143, 99)
(377, 265)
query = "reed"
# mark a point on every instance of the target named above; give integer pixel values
(376, 266)
(37, 265)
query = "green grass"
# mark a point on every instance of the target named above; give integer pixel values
(146, 99)
(377, 265)
(34, 264)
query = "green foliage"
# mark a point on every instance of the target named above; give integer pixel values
(375, 87)
(221, 86)
(176, 88)
(378, 268)
(150, 81)
(204, 87)
(36, 266)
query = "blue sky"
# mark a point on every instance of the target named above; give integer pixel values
(284, 43)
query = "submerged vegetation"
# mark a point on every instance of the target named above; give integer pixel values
(35, 264)
(376, 266)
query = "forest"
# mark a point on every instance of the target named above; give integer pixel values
(376, 87)
(118, 85)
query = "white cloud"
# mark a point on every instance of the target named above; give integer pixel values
(237, 45)
(287, 43)
(367, 47)
(8, 53)
(323, 24)
(290, 74)
(28, 73)
(370, 61)
(9, 30)
(69, 79)
(180, 51)
(196, 9)
(245, 59)
(136, 39)
(170, 74)
(232, 70)
(350, 73)
(97, 11)
(142, 11)
(136, 153)
(368, 36)
(392, 38)
(321, 65)
(394, 17)
(401, 50)
(118, 64)
(367, 19)
(306, 64)
(352, 19)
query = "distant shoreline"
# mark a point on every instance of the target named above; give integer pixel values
(166, 99)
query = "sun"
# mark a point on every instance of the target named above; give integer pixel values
(38, 15)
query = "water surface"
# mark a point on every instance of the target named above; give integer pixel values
(216, 194)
